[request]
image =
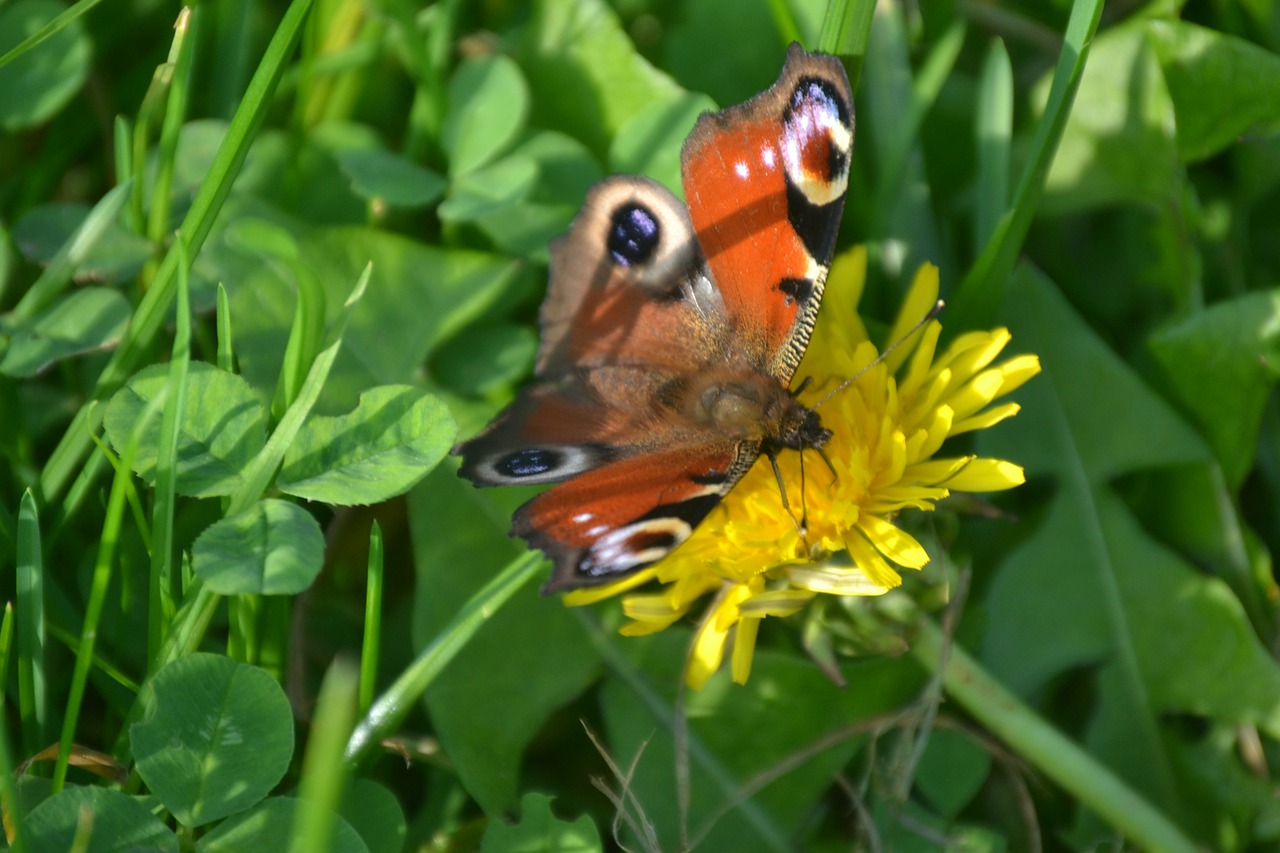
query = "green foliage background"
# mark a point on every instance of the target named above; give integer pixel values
(259, 272)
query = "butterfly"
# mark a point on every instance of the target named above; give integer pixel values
(670, 333)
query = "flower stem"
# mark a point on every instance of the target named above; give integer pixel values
(1035, 740)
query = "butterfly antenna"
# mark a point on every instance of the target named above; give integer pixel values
(933, 312)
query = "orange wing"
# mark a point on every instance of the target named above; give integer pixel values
(765, 182)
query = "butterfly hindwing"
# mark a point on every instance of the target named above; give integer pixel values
(628, 285)
(619, 518)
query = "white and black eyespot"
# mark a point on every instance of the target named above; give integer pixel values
(633, 547)
(529, 462)
(634, 234)
(817, 141)
(535, 465)
(645, 232)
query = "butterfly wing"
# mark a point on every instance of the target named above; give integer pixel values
(626, 515)
(629, 311)
(648, 302)
(629, 286)
(765, 182)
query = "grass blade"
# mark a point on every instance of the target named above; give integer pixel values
(52, 28)
(925, 87)
(846, 30)
(175, 114)
(370, 647)
(390, 708)
(980, 293)
(226, 341)
(57, 275)
(33, 712)
(263, 468)
(994, 129)
(162, 581)
(324, 773)
(99, 585)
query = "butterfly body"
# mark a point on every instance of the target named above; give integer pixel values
(670, 333)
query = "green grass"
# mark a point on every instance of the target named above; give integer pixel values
(262, 265)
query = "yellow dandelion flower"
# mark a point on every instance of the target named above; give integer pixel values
(886, 428)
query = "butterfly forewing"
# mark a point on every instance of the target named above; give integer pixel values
(765, 182)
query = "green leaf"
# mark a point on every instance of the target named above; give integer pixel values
(379, 174)
(86, 237)
(119, 823)
(524, 226)
(39, 83)
(1223, 87)
(566, 168)
(952, 770)
(262, 470)
(1089, 591)
(486, 358)
(584, 73)
(116, 255)
(649, 142)
(490, 189)
(269, 826)
(419, 296)
(539, 830)
(750, 41)
(32, 633)
(484, 733)
(1218, 366)
(216, 738)
(375, 814)
(1119, 143)
(488, 103)
(222, 427)
(272, 548)
(83, 321)
(395, 436)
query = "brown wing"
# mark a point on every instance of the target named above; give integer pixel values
(629, 310)
(629, 286)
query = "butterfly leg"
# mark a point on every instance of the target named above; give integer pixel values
(835, 475)
(782, 490)
(801, 523)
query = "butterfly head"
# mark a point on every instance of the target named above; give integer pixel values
(801, 429)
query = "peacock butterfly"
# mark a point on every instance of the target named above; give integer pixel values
(670, 333)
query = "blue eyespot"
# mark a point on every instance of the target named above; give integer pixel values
(633, 235)
(817, 95)
(529, 462)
